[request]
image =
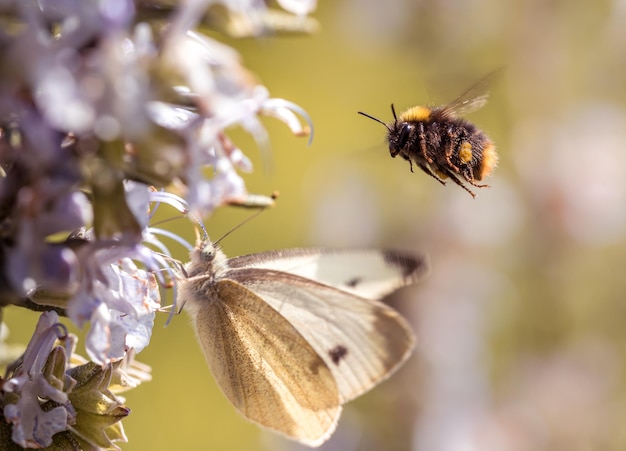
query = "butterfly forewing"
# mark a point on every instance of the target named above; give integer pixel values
(367, 273)
(362, 341)
(265, 367)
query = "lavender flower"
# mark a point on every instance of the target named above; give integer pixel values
(101, 110)
(32, 426)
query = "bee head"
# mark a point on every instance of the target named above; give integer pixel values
(398, 132)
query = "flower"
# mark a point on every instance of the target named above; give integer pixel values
(30, 387)
(49, 400)
(103, 112)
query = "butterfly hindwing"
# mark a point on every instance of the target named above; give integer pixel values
(265, 367)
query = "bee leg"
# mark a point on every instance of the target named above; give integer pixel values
(477, 185)
(427, 170)
(456, 180)
(450, 148)
(407, 158)
(470, 179)
(422, 137)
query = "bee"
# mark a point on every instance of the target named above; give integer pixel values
(442, 144)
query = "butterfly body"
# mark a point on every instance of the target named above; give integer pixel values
(292, 335)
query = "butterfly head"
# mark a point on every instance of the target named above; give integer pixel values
(206, 259)
(206, 251)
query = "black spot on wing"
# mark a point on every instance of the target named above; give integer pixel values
(353, 282)
(338, 353)
(411, 266)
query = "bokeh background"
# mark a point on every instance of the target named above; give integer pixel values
(521, 329)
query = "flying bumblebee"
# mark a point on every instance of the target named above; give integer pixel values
(441, 143)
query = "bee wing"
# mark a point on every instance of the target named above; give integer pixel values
(361, 341)
(265, 367)
(471, 100)
(371, 274)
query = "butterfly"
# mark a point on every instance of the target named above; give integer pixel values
(292, 335)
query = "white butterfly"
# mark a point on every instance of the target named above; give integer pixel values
(292, 335)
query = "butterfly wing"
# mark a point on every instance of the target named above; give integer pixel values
(367, 273)
(361, 340)
(265, 367)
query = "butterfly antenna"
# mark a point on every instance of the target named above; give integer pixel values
(163, 221)
(250, 218)
(374, 118)
(175, 218)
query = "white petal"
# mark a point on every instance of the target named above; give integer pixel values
(300, 7)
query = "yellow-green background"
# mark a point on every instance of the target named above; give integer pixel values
(521, 322)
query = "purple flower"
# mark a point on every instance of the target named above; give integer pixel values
(32, 426)
(100, 114)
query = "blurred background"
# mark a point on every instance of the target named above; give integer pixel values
(520, 323)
